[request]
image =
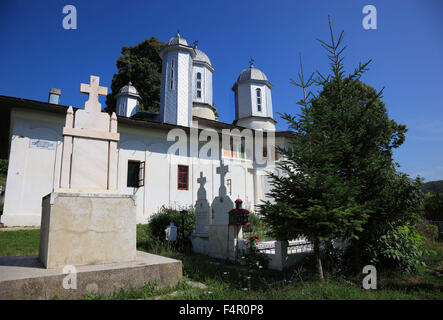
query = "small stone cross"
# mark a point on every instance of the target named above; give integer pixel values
(94, 90)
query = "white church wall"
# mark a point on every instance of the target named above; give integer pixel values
(35, 156)
(31, 170)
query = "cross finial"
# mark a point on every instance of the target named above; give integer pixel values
(251, 62)
(94, 90)
(178, 33)
(195, 44)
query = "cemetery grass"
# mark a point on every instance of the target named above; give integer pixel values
(232, 282)
(19, 242)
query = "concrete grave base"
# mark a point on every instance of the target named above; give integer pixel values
(25, 277)
(82, 228)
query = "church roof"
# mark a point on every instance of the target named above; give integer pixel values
(177, 40)
(252, 73)
(201, 56)
(7, 102)
(128, 89)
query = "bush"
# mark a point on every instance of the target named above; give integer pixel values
(3, 166)
(253, 258)
(160, 220)
(401, 248)
(430, 231)
(257, 226)
(433, 206)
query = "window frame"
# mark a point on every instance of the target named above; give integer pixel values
(171, 76)
(259, 99)
(179, 182)
(140, 173)
(198, 85)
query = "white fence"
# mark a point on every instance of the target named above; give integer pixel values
(283, 254)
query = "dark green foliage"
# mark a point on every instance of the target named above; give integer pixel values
(430, 231)
(3, 166)
(141, 65)
(433, 187)
(401, 248)
(434, 206)
(160, 220)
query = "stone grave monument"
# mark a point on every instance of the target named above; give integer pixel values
(223, 238)
(200, 236)
(87, 220)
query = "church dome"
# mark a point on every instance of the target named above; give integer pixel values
(252, 73)
(177, 40)
(200, 56)
(129, 88)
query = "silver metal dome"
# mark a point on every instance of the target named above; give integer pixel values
(177, 40)
(252, 73)
(201, 56)
(128, 89)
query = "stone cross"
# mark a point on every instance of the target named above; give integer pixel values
(222, 170)
(94, 90)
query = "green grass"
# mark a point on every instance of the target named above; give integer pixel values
(19, 242)
(232, 282)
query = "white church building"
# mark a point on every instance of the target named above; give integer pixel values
(31, 137)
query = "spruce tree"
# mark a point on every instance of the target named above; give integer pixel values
(340, 164)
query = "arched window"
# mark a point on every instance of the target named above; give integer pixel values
(172, 75)
(198, 85)
(258, 91)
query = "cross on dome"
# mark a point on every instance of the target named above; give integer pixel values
(251, 62)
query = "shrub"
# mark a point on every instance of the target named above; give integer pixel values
(401, 248)
(3, 166)
(433, 206)
(430, 231)
(159, 222)
(257, 226)
(253, 258)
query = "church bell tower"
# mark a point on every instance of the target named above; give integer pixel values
(176, 85)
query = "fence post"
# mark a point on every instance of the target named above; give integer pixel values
(281, 253)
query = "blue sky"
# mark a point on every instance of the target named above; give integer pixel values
(407, 51)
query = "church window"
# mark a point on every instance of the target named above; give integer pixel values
(242, 149)
(258, 91)
(229, 185)
(172, 75)
(199, 84)
(183, 174)
(136, 174)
